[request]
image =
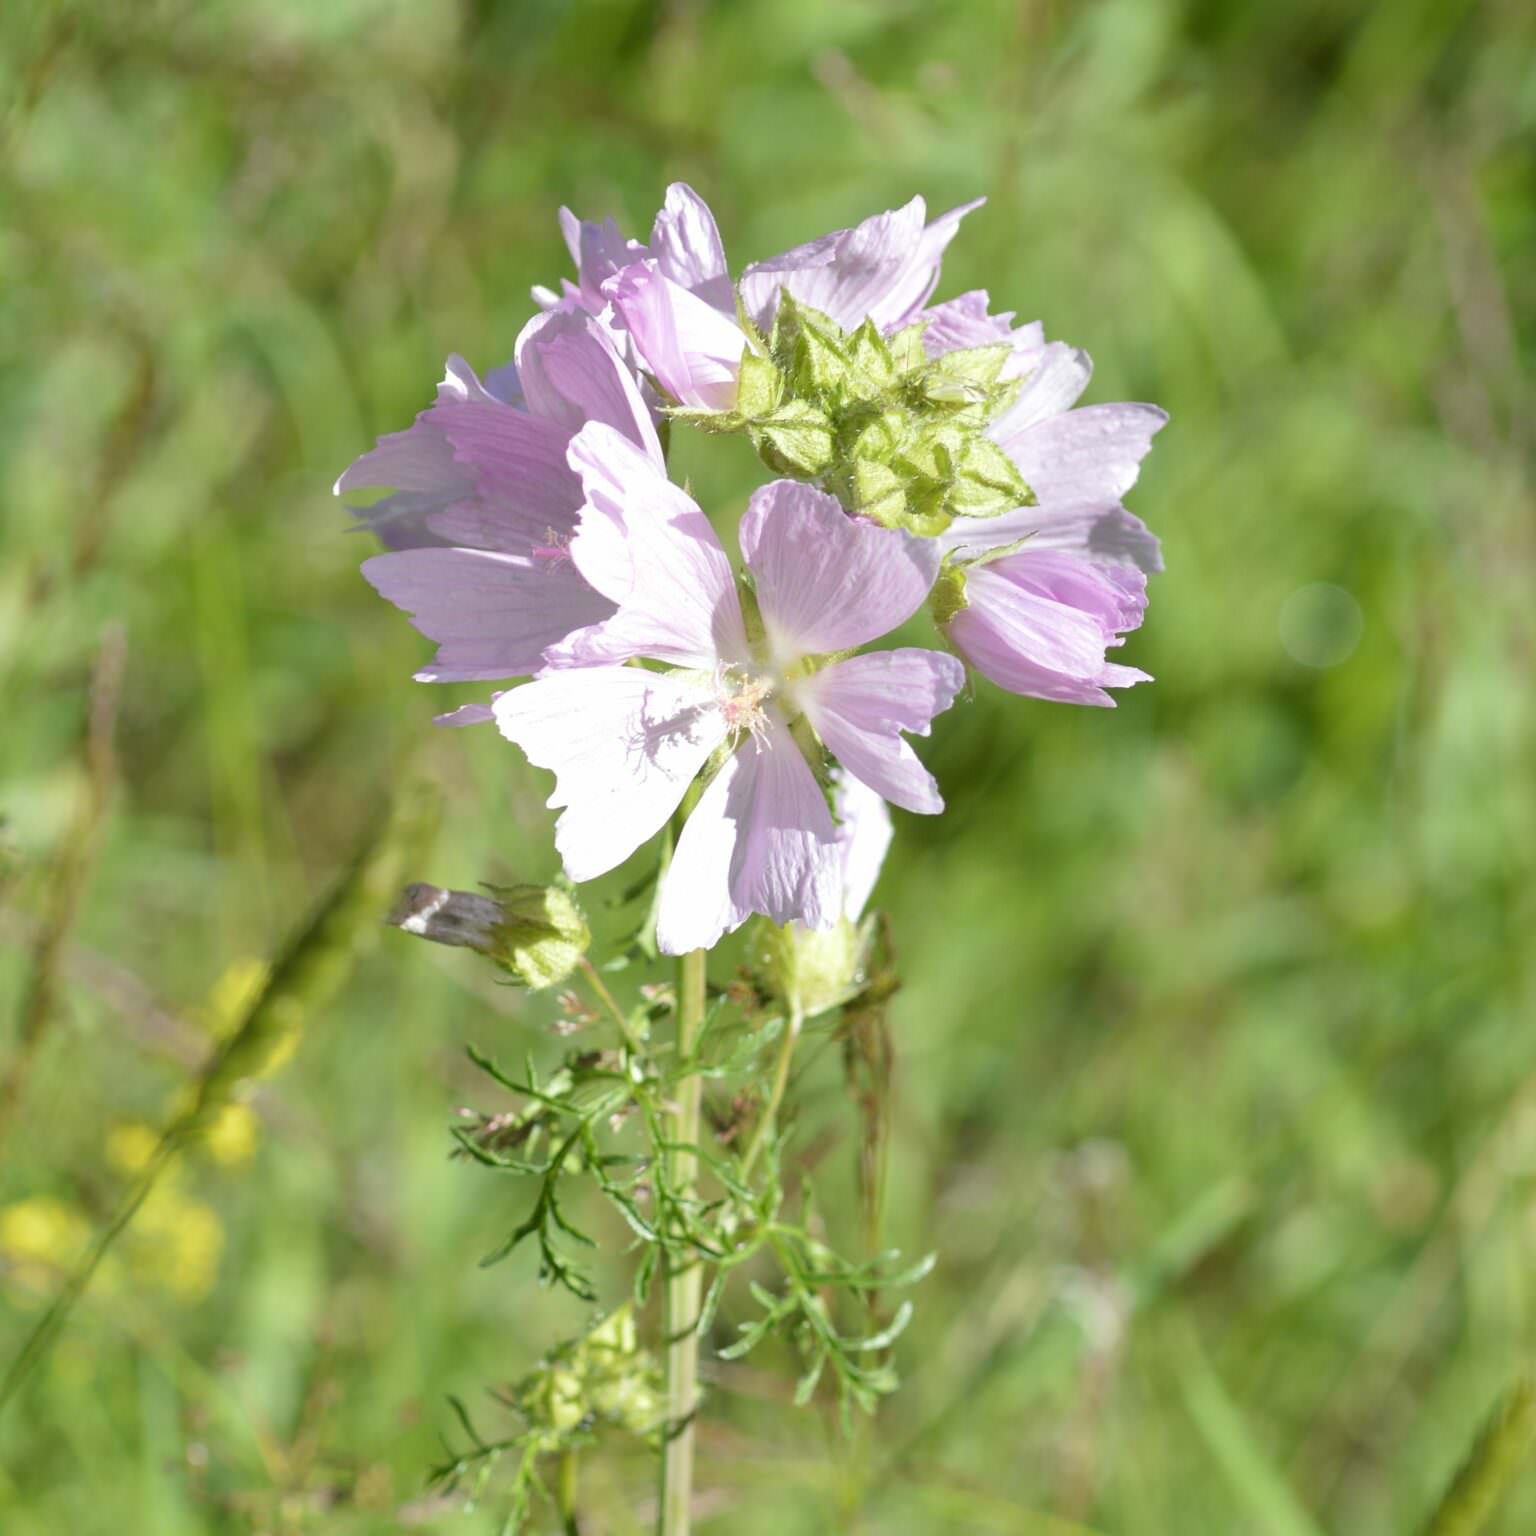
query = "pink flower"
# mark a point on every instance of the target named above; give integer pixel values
(485, 503)
(883, 270)
(684, 244)
(625, 743)
(1039, 620)
(418, 463)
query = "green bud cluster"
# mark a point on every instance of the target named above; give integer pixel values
(895, 436)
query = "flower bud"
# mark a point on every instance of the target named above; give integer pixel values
(535, 933)
(809, 969)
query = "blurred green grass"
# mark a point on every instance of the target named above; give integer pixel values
(1217, 1051)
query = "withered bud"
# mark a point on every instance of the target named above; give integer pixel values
(535, 933)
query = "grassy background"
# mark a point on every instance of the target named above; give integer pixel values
(1217, 1051)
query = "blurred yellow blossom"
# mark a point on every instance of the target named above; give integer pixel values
(130, 1147)
(176, 1243)
(39, 1239)
(231, 996)
(230, 1135)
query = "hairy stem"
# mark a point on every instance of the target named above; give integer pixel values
(769, 1117)
(683, 1274)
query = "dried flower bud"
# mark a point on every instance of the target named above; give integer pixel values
(535, 933)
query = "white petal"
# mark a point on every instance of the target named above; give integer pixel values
(696, 909)
(864, 834)
(624, 744)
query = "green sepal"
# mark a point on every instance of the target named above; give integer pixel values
(878, 436)
(750, 329)
(948, 596)
(809, 347)
(708, 421)
(874, 490)
(906, 347)
(966, 376)
(987, 482)
(871, 369)
(796, 440)
(759, 387)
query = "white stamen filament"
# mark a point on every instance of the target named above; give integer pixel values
(743, 698)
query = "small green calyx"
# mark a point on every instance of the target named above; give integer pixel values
(948, 596)
(896, 436)
(542, 935)
(809, 970)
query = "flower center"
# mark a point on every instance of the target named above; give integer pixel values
(554, 551)
(743, 697)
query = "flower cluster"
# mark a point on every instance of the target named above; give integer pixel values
(925, 454)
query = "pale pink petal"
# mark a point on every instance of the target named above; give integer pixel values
(504, 384)
(525, 494)
(492, 614)
(786, 864)
(571, 374)
(860, 707)
(569, 296)
(1101, 532)
(1039, 623)
(844, 274)
(1092, 454)
(645, 545)
(685, 242)
(764, 842)
(863, 835)
(906, 299)
(964, 322)
(418, 465)
(882, 270)
(1054, 377)
(467, 714)
(624, 745)
(825, 581)
(691, 348)
(598, 250)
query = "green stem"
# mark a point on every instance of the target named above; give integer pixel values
(683, 1272)
(1492, 1465)
(565, 1493)
(40, 1340)
(605, 997)
(769, 1117)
